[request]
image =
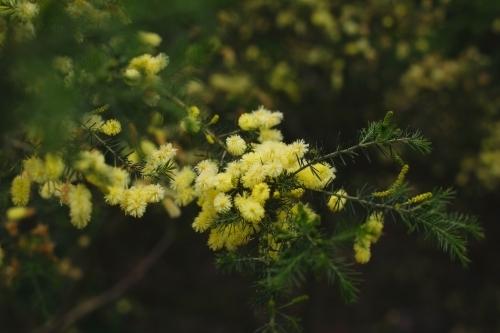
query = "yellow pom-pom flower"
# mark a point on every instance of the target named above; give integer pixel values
(111, 127)
(35, 168)
(250, 209)
(247, 122)
(114, 195)
(222, 202)
(134, 201)
(335, 203)
(270, 135)
(260, 193)
(20, 191)
(236, 145)
(154, 193)
(323, 174)
(216, 239)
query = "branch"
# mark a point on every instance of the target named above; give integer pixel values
(91, 305)
(350, 150)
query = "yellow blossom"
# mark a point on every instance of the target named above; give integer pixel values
(266, 134)
(223, 182)
(222, 202)
(216, 239)
(134, 201)
(185, 196)
(336, 204)
(23, 10)
(53, 166)
(63, 64)
(154, 193)
(236, 145)
(20, 191)
(207, 167)
(247, 122)
(111, 127)
(35, 168)
(149, 38)
(250, 209)
(18, 213)
(210, 139)
(267, 119)
(260, 193)
(131, 76)
(362, 253)
(183, 178)
(322, 175)
(114, 195)
(80, 205)
(203, 221)
(193, 112)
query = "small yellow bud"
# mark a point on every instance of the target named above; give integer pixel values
(19, 213)
(214, 119)
(210, 139)
(194, 112)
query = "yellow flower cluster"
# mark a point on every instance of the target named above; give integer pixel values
(143, 70)
(158, 158)
(245, 184)
(191, 123)
(41, 171)
(92, 165)
(133, 201)
(181, 184)
(262, 120)
(368, 234)
(282, 228)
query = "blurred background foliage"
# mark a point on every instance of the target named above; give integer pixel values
(331, 66)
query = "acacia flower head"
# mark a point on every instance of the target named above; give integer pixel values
(80, 205)
(336, 204)
(54, 166)
(20, 191)
(111, 127)
(222, 202)
(236, 145)
(35, 168)
(24, 10)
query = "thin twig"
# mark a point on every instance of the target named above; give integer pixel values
(112, 293)
(349, 150)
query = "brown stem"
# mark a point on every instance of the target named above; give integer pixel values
(112, 293)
